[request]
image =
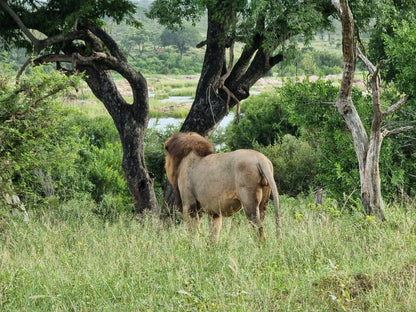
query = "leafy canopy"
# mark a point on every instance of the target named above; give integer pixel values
(54, 17)
(276, 21)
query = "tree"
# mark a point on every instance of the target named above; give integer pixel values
(265, 29)
(60, 32)
(367, 147)
(182, 38)
(135, 39)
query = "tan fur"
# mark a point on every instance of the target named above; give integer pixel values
(219, 184)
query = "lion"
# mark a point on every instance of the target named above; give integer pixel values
(219, 184)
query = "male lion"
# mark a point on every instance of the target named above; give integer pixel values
(219, 184)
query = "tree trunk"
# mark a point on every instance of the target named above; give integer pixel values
(367, 149)
(208, 107)
(131, 123)
(217, 81)
(371, 185)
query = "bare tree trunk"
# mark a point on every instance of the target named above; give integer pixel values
(367, 149)
(371, 186)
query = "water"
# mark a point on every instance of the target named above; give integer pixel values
(163, 123)
(177, 99)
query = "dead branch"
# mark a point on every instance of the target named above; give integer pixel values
(371, 68)
(395, 106)
(387, 133)
(361, 43)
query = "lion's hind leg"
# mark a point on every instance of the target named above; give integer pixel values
(264, 202)
(251, 200)
(192, 215)
(215, 224)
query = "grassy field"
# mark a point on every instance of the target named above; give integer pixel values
(68, 259)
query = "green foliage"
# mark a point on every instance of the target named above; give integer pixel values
(169, 62)
(54, 17)
(312, 111)
(100, 164)
(295, 164)
(401, 51)
(264, 120)
(49, 154)
(172, 13)
(387, 16)
(182, 38)
(311, 107)
(155, 152)
(35, 153)
(310, 61)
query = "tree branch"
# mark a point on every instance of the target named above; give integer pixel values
(395, 106)
(387, 133)
(21, 25)
(51, 58)
(78, 34)
(22, 69)
(348, 48)
(371, 68)
(361, 42)
(376, 73)
(106, 39)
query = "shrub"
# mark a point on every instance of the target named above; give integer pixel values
(263, 120)
(295, 164)
(34, 153)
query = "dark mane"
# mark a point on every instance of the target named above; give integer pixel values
(179, 146)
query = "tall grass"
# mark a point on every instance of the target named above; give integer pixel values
(69, 259)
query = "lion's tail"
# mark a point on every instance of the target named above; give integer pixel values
(266, 169)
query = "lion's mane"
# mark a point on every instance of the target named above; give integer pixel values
(179, 146)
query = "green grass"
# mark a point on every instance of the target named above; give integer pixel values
(68, 259)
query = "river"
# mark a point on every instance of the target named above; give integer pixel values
(162, 123)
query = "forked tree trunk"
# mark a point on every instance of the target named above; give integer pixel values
(366, 148)
(222, 86)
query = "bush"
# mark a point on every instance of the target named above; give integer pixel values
(49, 154)
(35, 154)
(263, 120)
(295, 164)
(312, 111)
